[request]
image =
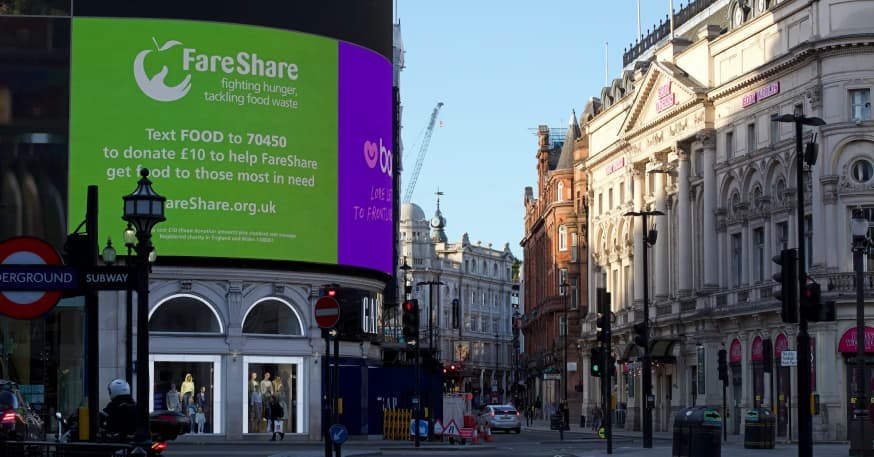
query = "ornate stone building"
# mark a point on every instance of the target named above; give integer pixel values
(687, 130)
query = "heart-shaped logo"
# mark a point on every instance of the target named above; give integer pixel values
(371, 153)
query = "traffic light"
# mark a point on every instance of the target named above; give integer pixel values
(597, 361)
(814, 309)
(723, 366)
(787, 278)
(411, 321)
(640, 335)
(601, 324)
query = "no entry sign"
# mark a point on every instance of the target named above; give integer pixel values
(327, 312)
(31, 278)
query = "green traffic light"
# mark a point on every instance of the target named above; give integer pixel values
(596, 368)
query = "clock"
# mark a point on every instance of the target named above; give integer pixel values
(435, 221)
(738, 17)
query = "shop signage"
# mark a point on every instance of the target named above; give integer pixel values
(735, 353)
(548, 376)
(760, 94)
(756, 350)
(666, 97)
(848, 340)
(614, 165)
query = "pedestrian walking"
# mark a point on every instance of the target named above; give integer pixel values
(276, 415)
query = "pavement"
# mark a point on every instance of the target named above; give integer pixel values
(579, 442)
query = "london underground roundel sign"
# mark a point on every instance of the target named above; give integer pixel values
(31, 282)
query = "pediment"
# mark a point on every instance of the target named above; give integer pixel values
(664, 88)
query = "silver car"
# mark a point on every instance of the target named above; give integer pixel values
(502, 417)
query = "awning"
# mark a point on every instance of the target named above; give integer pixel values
(662, 350)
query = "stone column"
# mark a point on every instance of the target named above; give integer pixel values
(707, 142)
(722, 249)
(661, 246)
(829, 232)
(684, 229)
(638, 235)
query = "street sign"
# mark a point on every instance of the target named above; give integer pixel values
(107, 278)
(789, 359)
(327, 312)
(438, 427)
(338, 433)
(25, 291)
(452, 429)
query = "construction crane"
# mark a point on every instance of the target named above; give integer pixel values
(423, 149)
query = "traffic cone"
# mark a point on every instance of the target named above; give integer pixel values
(488, 433)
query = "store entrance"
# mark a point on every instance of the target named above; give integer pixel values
(852, 370)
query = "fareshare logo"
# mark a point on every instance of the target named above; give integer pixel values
(154, 87)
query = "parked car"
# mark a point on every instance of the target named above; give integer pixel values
(18, 420)
(501, 417)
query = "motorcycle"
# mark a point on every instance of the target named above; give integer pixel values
(164, 426)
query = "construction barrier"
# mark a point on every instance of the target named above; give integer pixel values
(396, 424)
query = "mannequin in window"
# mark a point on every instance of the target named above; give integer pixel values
(256, 407)
(202, 400)
(266, 384)
(173, 399)
(187, 385)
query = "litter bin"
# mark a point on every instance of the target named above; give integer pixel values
(760, 429)
(556, 422)
(697, 432)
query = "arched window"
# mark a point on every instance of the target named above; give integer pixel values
(186, 314)
(272, 317)
(562, 238)
(559, 190)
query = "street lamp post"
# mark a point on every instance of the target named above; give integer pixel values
(649, 239)
(143, 208)
(860, 248)
(130, 239)
(805, 422)
(564, 408)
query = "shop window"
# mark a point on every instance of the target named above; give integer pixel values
(272, 317)
(186, 314)
(269, 378)
(188, 384)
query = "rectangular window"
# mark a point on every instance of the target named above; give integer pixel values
(562, 329)
(860, 104)
(600, 203)
(751, 138)
(729, 145)
(736, 260)
(277, 376)
(621, 194)
(782, 235)
(562, 279)
(574, 247)
(575, 294)
(759, 254)
(562, 238)
(610, 199)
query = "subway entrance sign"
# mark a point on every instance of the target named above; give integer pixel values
(32, 277)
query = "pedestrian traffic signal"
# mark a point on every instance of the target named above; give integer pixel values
(640, 335)
(596, 355)
(814, 309)
(601, 324)
(787, 279)
(603, 316)
(723, 366)
(411, 321)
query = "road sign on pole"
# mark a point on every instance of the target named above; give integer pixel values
(789, 358)
(327, 312)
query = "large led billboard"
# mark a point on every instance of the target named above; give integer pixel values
(268, 144)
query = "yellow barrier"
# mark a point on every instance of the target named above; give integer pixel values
(396, 424)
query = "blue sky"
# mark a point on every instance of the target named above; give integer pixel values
(501, 68)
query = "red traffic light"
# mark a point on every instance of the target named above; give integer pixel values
(452, 367)
(408, 306)
(332, 292)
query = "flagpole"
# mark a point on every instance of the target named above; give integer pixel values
(638, 21)
(671, 16)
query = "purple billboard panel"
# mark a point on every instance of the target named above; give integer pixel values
(365, 159)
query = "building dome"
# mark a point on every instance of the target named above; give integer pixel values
(412, 212)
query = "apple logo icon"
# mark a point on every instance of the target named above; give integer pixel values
(154, 87)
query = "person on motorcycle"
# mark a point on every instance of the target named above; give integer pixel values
(121, 412)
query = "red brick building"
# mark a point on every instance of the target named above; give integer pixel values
(555, 270)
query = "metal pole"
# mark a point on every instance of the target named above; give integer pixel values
(647, 368)
(129, 327)
(326, 409)
(805, 425)
(724, 411)
(144, 246)
(417, 405)
(861, 396)
(92, 318)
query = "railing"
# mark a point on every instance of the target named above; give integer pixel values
(662, 30)
(846, 282)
